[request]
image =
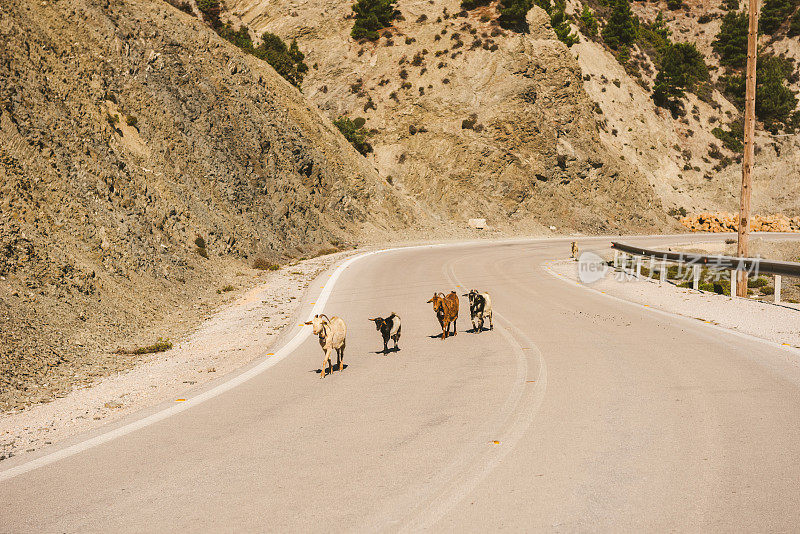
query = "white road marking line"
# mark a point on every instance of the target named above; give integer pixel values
(287, 349)
(460, 478)
(270, 361)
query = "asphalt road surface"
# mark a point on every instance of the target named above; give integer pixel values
(577, 412)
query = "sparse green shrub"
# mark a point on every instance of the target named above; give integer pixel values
(768, 290)
(705, 18)
(775, 101)
(722, 288)
(287, 61)
(113, 120)
(472, 4)
(211, 10)
(588, 22)
(200, 243)
(682, 69)
(162, 345)
(731, 41)
(130, 120)
(262, 264)
(558, 20)
(356, 135)
(731, 139)
(225, 289)
(469, 123)
(773, 14)
(757, 282)
(325, 252)
(513, 13)
(674, 5)
(620, 31)
(677, 212)
(181, 5)
(371, 16)
(794, 24)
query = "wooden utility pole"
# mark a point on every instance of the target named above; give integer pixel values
(749, 132)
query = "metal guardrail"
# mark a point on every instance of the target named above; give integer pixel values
(718, 263)
(728, 263)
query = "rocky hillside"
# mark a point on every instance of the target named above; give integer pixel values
(571, 118)
(144, 161)
(469, 118)
(691, 168)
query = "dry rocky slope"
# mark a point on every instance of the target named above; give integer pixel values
(145, 163)
(127, 130)
(549, 114)
(680, 156)
(498, 126)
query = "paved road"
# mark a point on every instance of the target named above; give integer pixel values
(578, 412)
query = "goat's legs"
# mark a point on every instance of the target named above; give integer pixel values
(339, 359)
(325, 363)
(491, 324)
(455, 331)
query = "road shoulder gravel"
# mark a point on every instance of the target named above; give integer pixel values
(778, 323)
(233, 336)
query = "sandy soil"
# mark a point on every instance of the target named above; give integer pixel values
(777, 323)
(234, 335)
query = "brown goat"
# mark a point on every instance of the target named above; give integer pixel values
(446, 308)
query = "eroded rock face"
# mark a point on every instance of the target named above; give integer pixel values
(127, 130)
(470, 119)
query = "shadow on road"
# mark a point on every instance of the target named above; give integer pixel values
(334, 367)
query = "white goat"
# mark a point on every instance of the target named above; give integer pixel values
(332, 333)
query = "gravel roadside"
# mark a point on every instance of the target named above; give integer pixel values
(234, 335)
(778, 323)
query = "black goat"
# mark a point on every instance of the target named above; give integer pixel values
(389, 329)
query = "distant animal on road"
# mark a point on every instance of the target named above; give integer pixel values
(389, 329)
(446, 308)
(574, 250)
(332, 334)
(480, 308)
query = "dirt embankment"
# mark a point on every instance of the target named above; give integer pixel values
(145, 163)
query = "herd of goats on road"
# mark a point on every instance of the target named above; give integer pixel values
(333, 331)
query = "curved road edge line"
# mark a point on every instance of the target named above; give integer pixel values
(268, 361)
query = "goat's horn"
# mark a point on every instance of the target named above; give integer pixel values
(326, 317)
